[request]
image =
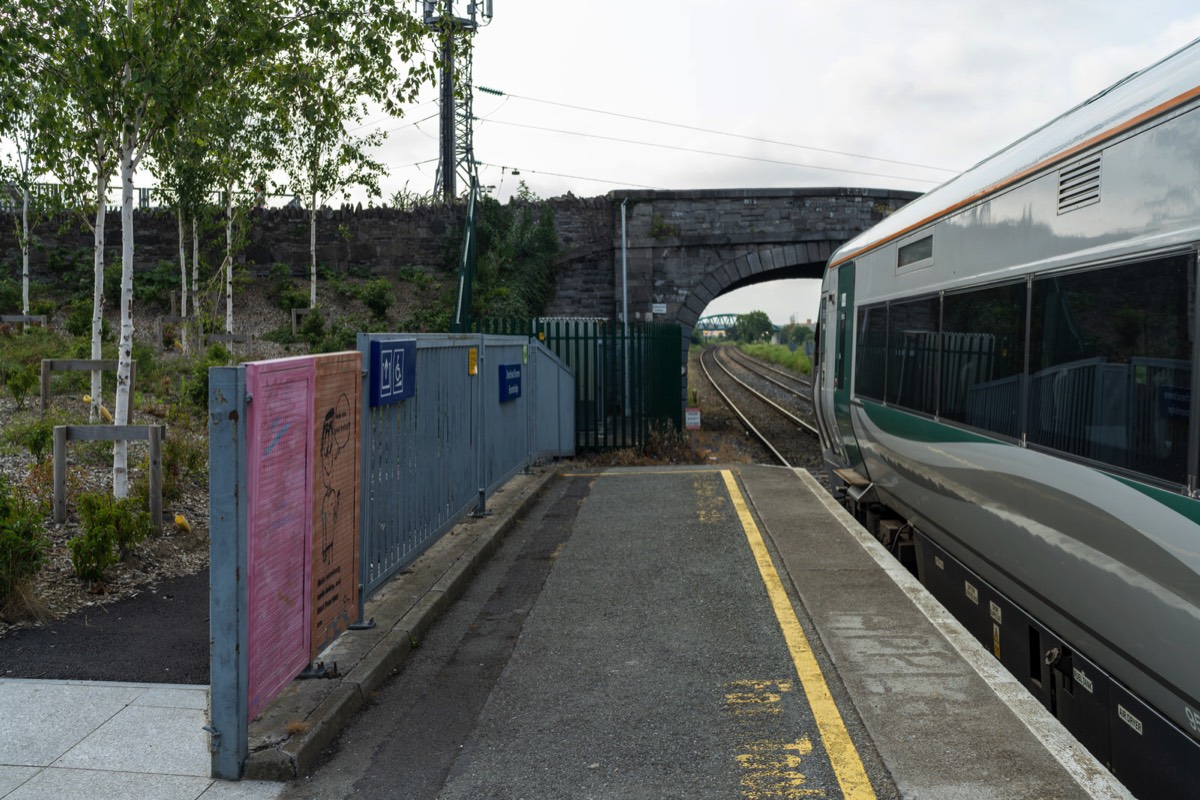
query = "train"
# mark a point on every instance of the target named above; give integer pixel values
(1003, 382)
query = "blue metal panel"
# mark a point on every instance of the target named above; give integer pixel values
(228, 597)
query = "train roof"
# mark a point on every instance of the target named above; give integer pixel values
(1138, 98)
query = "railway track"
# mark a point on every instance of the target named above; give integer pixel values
(778, 415)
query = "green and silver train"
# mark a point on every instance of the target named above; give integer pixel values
(1006, 368)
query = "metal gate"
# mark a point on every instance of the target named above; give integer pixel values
(628, 384)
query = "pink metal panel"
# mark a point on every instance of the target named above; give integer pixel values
(280, 424)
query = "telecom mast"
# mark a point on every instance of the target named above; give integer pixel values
(457, 155)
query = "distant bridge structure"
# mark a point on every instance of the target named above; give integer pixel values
(683, 249)
(716, 322)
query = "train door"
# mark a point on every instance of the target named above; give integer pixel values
(837, 310)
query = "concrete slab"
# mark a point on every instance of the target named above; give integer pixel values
(65, 713)
(76, 784)
(170, 741)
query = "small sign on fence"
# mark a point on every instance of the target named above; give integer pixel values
(510, 382)
(393, 371)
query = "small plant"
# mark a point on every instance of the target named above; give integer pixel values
(196, 386)
(111, 528)
(20, 381)
(377, 297)
(37, 437)
(22, 548)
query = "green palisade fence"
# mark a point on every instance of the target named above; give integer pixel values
(626, 387)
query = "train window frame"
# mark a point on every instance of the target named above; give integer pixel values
(893, 395)
(914, 253)
(862, 319)
(949, 297)
(1103, 461)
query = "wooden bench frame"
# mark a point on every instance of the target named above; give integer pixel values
(81, 365)
(108, 433)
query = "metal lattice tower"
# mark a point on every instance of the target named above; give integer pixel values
(456, 157)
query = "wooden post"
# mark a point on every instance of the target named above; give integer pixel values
(60, 469)
(156, 475)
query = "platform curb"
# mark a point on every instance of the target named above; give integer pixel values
(290, 735)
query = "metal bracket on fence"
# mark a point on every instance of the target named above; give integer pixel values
(361, 626)
(319, 670)
(481, 509)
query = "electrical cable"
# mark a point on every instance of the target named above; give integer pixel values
(710, 152)
(500, 93)
(518, 170)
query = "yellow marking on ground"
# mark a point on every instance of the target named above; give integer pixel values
(711, 506)
(851, 775)
(756, 697)
(771, 770)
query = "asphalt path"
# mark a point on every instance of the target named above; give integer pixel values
(621, 644)
(159, 636)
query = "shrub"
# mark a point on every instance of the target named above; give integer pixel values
(196, 386)
(10, 296)
(22, 543)
(37, 436)
(20, 381)
(111, 528)
(377, 297)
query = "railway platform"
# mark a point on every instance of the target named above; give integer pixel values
(716, 632)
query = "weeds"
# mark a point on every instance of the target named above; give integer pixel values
(111, 529)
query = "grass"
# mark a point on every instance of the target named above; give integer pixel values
(795, 360)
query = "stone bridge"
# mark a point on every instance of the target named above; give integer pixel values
(686, 248)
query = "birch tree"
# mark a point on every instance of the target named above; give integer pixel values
(339, 60)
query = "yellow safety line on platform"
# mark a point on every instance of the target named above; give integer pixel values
(851, 775)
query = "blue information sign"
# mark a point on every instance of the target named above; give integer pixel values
(393, 371)
(510, 382)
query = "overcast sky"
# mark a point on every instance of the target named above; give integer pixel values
(926, 82)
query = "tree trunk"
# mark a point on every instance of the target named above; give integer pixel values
(196, 276)
(25, 251)
(98, 290)
(312, 251)
(229, 259)
(125, 346)
(183, 282)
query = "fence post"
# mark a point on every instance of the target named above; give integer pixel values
(481, 422)
(156, 475)
(60, 471)
(228, 593)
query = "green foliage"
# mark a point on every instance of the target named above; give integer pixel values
(10, 296)
(795, 360)
(795, 333)
(377, 297)
(20, 381)
(23, 545)
(111, 528)
(753, 327)
(155, 285)
(182, 456)
(417, 277)
(195, 388)
(284, 288)
(36, 436)
(518, 248)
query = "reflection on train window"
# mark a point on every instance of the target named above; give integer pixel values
(983, 358)
(912, 354)
(1110, 365)
(870, 362)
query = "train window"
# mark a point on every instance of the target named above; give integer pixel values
(983, 358)
(911, 253)
(1110, 365)
(912, 354)
(870, 361)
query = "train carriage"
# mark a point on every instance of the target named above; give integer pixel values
(1007, 365)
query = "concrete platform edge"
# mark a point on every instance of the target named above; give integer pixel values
(1082, 766)
(300, 725)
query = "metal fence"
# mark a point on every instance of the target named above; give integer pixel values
(481, 409)
(434, 458)
(628, 383)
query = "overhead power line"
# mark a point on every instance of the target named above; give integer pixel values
(709, 152)
(500, 93)
(518, 170)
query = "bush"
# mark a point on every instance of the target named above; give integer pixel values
(20, 381)
(111, 528)
(10, 296)
(22, 543)
(181, 456)
(377, 297)
(36, 436)
(196, 386)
